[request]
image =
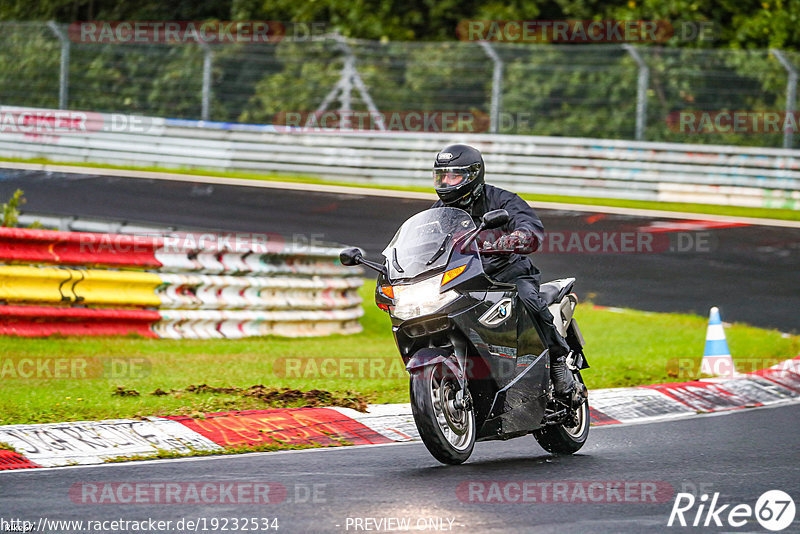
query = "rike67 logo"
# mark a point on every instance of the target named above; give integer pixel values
(774, 510)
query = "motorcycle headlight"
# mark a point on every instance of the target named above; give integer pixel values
(422, 298)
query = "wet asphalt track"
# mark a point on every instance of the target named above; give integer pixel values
(751, 273)
(740, 455)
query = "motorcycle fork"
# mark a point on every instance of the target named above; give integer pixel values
(463, 399)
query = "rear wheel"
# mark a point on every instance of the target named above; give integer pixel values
(445, 423)
(569, 437)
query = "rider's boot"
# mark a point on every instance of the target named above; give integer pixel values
(563, 382)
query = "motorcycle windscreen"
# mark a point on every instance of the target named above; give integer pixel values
(424, 242)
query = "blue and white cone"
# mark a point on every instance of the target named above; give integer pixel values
(717, 359)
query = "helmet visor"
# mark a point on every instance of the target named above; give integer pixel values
(449, 177)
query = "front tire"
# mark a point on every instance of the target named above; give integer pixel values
(561, 439)
(447, 432)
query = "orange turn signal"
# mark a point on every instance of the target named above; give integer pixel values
(452, 273)
(388, 291)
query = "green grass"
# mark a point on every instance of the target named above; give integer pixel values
(710, 209)
(623, 347)
(630, 347)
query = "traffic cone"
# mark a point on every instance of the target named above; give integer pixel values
(717, 359)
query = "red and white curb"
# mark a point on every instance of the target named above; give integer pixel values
(780, 383)
(93, 442)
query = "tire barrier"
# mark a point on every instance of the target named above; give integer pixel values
(257, 293)
(81, 283)
(233, 324)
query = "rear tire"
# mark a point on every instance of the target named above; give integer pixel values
(447, 432)
(559, 439)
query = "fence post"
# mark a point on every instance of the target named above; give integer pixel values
(497, 85)
(344, 88)
(208, 57)
(791, 92)
(63, 84)
(346, 98)
(641, 90)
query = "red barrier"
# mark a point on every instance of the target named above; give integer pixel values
(31, 321)
(14, 460)
(21, 245)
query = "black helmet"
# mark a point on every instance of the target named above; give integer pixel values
(458, 175)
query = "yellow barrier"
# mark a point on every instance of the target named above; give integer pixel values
(35, 284)
(76, 286)
(126, 288)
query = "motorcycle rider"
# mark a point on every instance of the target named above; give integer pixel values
(458, 176)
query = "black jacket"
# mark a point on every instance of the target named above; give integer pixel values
(520, 217)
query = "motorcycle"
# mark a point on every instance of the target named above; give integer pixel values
(478, 368)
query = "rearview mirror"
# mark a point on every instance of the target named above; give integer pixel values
(351, 256)
(495, 219)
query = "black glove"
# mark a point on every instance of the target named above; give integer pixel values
(518, 241)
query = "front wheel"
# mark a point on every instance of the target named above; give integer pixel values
(566, 438)
(446, 423)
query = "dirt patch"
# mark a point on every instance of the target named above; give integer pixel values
(205, 388)
(122, 392)
(276, 397)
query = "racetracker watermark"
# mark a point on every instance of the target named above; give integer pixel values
(163, 492)
(241, 242)
(734, 121)
(54, 367)
(505, 364)
(633, 242)
(313, 367)
(583, 31)
(205, 32)
(55, 123)
(196, 492)
(691, 368)
(567, 491)
(383, 121)
(181, 243)
(389, 122)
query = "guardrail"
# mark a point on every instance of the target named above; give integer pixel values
(745, 176)
(175, 285)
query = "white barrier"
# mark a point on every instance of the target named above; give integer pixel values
(257, 293)
(232, 324)
(747, 176)
(234, 288)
